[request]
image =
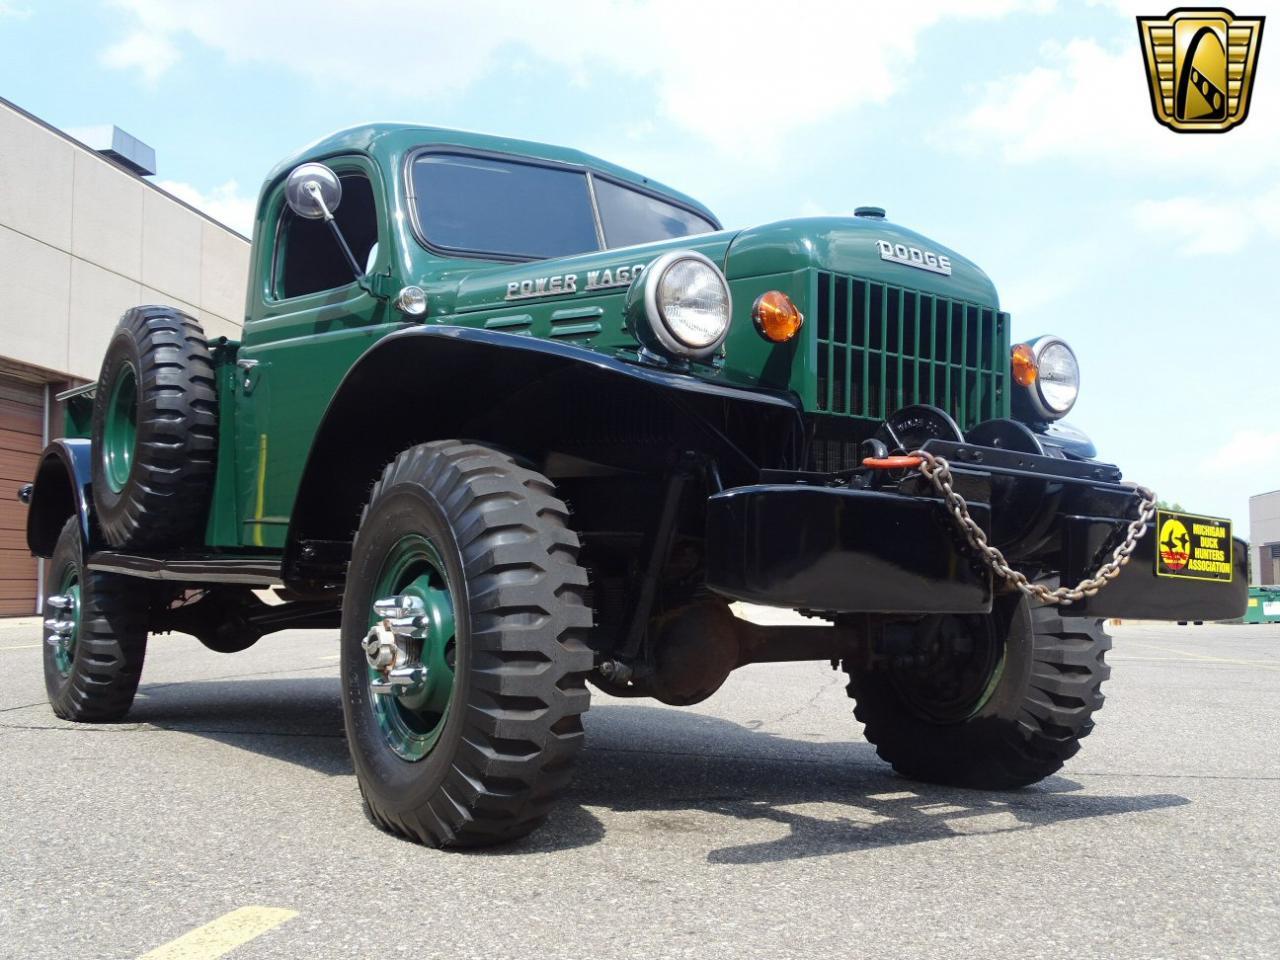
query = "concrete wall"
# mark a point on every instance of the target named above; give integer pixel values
(82, 239)
(1264, 533)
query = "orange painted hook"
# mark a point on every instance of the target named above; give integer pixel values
(892, 463)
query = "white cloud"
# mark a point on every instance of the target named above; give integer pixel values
(718, 67)
(1086, 106)
(1246, 463)
(1250, 449)
(224, 202)
(1208, 224)
(10, 12)
(1088, 101)
(811, 208)
(150, 53)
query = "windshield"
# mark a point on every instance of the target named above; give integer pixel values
(629, 216)
(526, 210)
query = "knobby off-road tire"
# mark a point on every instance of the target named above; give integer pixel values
(155, 431)
(493, 547)
(1030, 720)
(97, 677)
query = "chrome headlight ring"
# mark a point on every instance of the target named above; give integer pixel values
(688, 322)
(1057, 384)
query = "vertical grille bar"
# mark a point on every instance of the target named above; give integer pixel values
(951, 341)
(831, 282)
(850, 292)
(901, 347)
(865, 355)
(964, 362)
(1006, 400)
(933, 350)
(915, 360)
(988, 376)
(882, 403)
(978, 361)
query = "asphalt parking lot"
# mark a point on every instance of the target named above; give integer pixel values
(758, 824)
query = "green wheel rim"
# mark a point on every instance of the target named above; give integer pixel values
(65, 655)
(120, 428)
(411, 722)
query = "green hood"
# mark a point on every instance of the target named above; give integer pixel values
(579, 299)
(845, 245)
(850, 246)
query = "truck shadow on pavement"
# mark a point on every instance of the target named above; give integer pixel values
(668, 772)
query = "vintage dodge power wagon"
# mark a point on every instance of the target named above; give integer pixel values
(516, 420)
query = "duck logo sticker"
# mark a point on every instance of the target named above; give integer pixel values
(1200, 67)
(1195, 548)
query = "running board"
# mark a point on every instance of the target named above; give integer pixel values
(250, 571)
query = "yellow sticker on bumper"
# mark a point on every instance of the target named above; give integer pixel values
(1193, 548)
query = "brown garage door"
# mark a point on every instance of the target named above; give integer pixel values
(21, 433)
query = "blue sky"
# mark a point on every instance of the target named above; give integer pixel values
(1019, 133)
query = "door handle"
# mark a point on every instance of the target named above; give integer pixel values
(247, 366)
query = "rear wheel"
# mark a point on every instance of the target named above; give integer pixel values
(464, 658)
(95, 635)
(993, 702)
(155, 431)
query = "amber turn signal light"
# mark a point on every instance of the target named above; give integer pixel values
(776, 317)
(1023, 365)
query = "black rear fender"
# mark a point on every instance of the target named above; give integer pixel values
(61, 490)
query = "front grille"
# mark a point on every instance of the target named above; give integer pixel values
(882, 347)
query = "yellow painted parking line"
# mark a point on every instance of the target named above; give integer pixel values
(219, 937)
(1203, 658)
(1142, 659)
(23, 646)
(336, 656)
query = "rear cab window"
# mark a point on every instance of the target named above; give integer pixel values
(517, 209)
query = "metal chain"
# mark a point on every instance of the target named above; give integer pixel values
(938, 471)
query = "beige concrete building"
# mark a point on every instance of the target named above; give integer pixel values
(82, 238)
(1264, 538)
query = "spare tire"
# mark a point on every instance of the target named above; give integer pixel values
(155, 431)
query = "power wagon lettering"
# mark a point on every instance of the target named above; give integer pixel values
(606, 279)
(542, 287)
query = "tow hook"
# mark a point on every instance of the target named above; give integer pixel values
(393, 646)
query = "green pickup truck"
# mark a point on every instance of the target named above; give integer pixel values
(516, 420)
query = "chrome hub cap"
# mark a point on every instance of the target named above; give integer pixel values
(409, 649)
(62, 626)
(393, 647)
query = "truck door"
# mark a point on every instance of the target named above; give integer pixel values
(308, 322)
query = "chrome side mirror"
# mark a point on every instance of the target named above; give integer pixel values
(313, 191)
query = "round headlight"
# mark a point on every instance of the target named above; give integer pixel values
(1058, 380)
(680, 305)
(1048, 369)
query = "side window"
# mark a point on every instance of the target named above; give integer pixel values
(308, 258)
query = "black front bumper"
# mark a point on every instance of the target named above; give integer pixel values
(854, 543)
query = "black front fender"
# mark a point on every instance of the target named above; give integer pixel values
(525, 354)
(525, 395)
(61, 490)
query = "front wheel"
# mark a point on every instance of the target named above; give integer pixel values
(464, 654)
(993, 702)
